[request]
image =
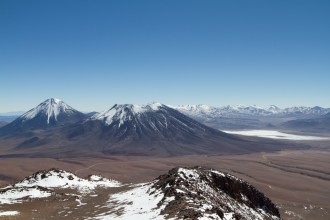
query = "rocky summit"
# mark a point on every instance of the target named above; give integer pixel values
(202, 193)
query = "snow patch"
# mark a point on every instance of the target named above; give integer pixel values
(15, 195)
(8, 213)
(137, 203)
(229, 216)
(188, 173)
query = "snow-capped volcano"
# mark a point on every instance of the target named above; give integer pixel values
(153, 129)
(50, 113)
(153, 121)
(51, 109)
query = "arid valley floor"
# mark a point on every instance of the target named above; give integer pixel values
(297, 181)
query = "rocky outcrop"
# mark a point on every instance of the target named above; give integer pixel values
(200, 192)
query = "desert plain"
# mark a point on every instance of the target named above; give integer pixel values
(298, 181)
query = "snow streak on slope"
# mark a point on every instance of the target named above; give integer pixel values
(51, 108)
(141, 202)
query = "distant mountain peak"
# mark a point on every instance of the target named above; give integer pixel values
(51, 107)
(50, 113)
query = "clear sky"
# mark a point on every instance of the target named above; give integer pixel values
(92, 54)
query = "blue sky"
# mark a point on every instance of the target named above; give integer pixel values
(92, 54)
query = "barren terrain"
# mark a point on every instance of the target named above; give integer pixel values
(297, 181)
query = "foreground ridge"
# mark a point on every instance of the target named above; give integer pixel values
(182, 193)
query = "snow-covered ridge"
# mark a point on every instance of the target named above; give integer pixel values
(42, 183)
(55, 178)
(51, 108)
(124, 112)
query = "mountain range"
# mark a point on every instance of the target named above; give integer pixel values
(53, 128)
(235, 117)
(321, 123)
(249, 110)
(202, 110)
(253, 117)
